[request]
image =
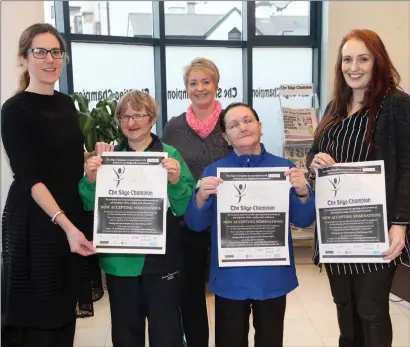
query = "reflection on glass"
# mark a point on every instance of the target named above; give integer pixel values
(203, 20)
(281, 18)
(97, 79)
(49, 13)
(116, 18)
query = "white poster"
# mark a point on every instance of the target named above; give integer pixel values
(253, 217)
(351, 213)
(131, 203)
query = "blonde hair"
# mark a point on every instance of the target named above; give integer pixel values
(205, 65)
(138, 101)
(25, 42)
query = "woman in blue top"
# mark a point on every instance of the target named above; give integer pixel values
(262, 288)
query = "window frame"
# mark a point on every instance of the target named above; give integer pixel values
(159, 41)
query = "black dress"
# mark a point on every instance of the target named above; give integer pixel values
(44, 281)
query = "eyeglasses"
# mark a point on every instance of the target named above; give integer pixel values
(235, 124)
(41, 53)
(135, 118)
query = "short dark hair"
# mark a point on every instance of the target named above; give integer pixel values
(230, 107)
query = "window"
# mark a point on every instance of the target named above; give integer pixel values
(104, 69)
(49, 13)
(271, 68)
(115, 18)
(117, 50)
(229, 63)
(280, 18)
(202, 20)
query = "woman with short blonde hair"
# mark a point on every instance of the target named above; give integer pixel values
(197, 135)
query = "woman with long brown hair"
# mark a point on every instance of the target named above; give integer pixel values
(367, 119)
(45, 276)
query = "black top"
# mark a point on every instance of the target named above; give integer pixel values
(344, 142)
(198, 152)
(44, 143)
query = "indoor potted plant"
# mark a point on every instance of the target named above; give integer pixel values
(99, 123)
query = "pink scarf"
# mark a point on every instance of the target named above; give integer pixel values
(204, 127)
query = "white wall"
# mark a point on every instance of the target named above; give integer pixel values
(390, 19)
(15, 17)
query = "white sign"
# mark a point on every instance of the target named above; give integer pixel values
(351, 213)
(131, 203)
(253, 217)
(303, 90)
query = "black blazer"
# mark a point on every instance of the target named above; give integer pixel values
(392, 144)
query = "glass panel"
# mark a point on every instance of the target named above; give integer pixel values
(271, 68)
(49, 13)
(229, 63)
(50, 18)
(116, 18)
(104, 69)
(281, 18)
(203, 20)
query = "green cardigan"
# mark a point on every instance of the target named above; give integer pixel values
(179, 194)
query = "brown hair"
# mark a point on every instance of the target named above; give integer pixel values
(385, 78)
(137, 100)
(205, 65)
(26, 40)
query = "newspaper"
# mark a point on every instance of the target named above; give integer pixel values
(299, 124)
(303, 90)
(297, 154)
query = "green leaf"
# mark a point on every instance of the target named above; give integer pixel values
(86, 122)
(82, 102)
(90, 140)
(98, 124)
(105, 116)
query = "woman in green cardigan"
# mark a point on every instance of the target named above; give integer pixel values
(145, 286)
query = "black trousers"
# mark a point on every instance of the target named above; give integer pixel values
(193, 305)
(155, 297)
(362, 302)
(232, 322)
(30, 337)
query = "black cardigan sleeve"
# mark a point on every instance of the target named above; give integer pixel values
(401, 121)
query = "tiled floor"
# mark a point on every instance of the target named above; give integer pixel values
(310, 317)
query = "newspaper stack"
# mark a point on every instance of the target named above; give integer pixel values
(299, 124)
